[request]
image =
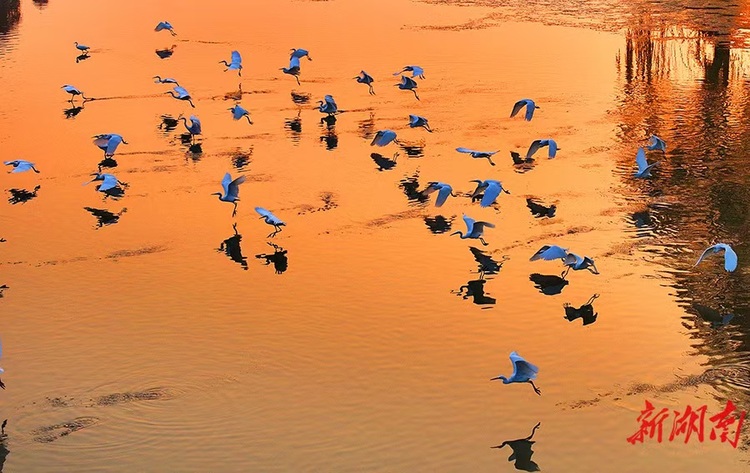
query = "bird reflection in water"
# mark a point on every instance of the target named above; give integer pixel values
(300, 98)
(438, 224)
(2, 290)
(366, 127)
(713, 316)
(105, 217)
(585, 312)
(294, 127)
(540, 211)
(413, 150)
(168, 123)
(82, 57)
(384, 164)
(278, 258)
(4, 452)
(410, 186)
(522, 451)
(231, 247)
(521, 164)
(165, 53)
(475, 290)
(548, 284)
(73, 111)
(487, 265)
(108, 162)
(241, 160)
(21, 196)
(329, 135)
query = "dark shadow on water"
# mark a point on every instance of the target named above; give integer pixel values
(166, 53)
(366, 127)
(712, 316)
(522, 451)
(105, 217)
(539, 210)
(384, 164)
(300, 98)
(241, 160)
(168, 123)
(21, 196)
(475, 290)
(73, 111)
(329, 136)
(293, 126)
(410, 186)
(115, 193)
(231, 247)
(438, 224)
(41, 4)
(278, 258)
(487, 265)
(107, 162)
(4, 451)
(585, 312)
(82, 57)
(10, 15)
(548, 284)
(413, 150)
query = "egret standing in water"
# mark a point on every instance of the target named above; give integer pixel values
(194, 128)
(235, 65)
(408, 84)
(657, 144)
(293, 69)
(164, 25)
(166, 80)
(239, 112)
(73, 92)
(474, 229)
(384, 137)
(19, 165)
(489, 190)
(300, 53)
(730, 257)
(523, 372)
(417, 121)
(231, 190)
(84, 49)
(443, 190)
(478, 154)
(270, 219)
(644, 168)
(365, 78)
(180, 93)
(536, 145)
(416, 71)
(530, 107)
(108, 142)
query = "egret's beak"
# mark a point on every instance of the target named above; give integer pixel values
(454, 233)
(492, 379)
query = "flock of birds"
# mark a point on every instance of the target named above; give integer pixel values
(486, 192)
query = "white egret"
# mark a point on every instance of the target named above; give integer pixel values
(73, 92)
(329, 106)
(537, 144)
(235, 64)
(300, 53)
(657, 144)
(416, 71)
(231, 190)
(523, 372)
(164, 25)
(408, 84)
(270, 219)
(108, 142)
(644, 168)
(109, 181)
(384, 137)
(365, 78)
(195, 126)
(444, 190)
(416, 121)
(489, 189)
(730, 257)
(239, 112)
(530, 107)
(549, 253)
(474, 229)
(180, 93)
(166, 80)
(576, 263)
(19, 165)
(84, 49)
(294, 68)
(478, 154)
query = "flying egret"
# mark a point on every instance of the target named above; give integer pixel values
(657, 144)
(365, 78)
(19, 165)
(549, 253)
(293, 68)
(537, 144)
(73, 92)
(181, 94)
(489, 190)
(329, 106)
(270, 219)
(644, 168)
(408, 84)
(576, 263)
(523, 372)
(384, 137)
(108, 142)
(164, 25)
(239, 112)
(416, 120)
(443, 190)
(730, 257)
(84, 49)
(530, 107)
(109, 181)
(416, 71)
(235, 64)
(166, 80)
(478, 154)
(300, 53)
(195, 126)
(231, 190)
(474, 229)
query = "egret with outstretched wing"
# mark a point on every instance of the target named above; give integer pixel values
(730, 257)
(523, 372)
(384, 137)
(164, 25)
(489, 190)
(231, 190)
(239, 112)
(180, 93)
(235, 64)
(478, 154)
(417, 121)
(474, 229)
(416, 71)
(408, 84)
(530, 107)
(443, 190)
(657, 144)
(644, 168)
(19, 165)
(270, 219)
(538, 144)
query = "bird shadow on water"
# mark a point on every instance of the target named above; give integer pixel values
(231, 247)
(21, 196)
(300, 98)
(366, 127)
(4, 451)
(384, 164)
(413, 150)
(166, 52)
(439, 224)
(107, 162)
(293, 126)
(522, 451)
(168, 123)
(585, 312)
(73, 111)
(82, 57)
(329, 136)
(278, 258)
(105, 217)
(410, 186)
(475, 290)
(548, 284)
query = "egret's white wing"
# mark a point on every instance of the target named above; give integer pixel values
(234, 187)
(195, 125)
(108, 182)
(640, 160)
(22, 166)
(469, 224)
(530, 107)
(572, 259)
(445, 191)
(466, 150)
(522, 368)
(490, 194)
(10, 163)
(517, 107)
(293, 62)
(552, 148)
(480, 226)
(383, 137)
(181, 91)
(225, 183)
(413, 120)
(535, 145)
(549, 252)
(263, 212)
(236, 58)
(417, 71)
(657, 144)
(112, 145)
(730, 257)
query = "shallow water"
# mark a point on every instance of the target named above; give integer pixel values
(145, 333)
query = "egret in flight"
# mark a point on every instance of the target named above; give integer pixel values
(270, 219)
(489, 190)
(644, 168)
(180, 93)
(384, 137)
(195, 126)
(164, 25)
(19, 165)
(73, 92)
(108, 142)
(293, 69)
(416, 121)
(365, 78)
(443, 190)
(84, 49)
(231, 190)
(571, 260)
(408, 84)
(474, 229)
(537, 144)
(166, 80)
(109, 181)
(549, 253)
(239, 112)
(530, 107)
(730, 257)
(235, 64)
(523, 372)
(329, 106)
(478, 154)
(416, 71)
(300, 53)
(657, 144)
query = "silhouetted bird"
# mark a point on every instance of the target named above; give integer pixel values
(517, 159)
(278, 258)
(168, 123)
(21, 196)
(410, 186)
(438, 224)
(522, 451)
(713, 316)
(299, 98)
(165, 53)
(384, 164)
(585, 312)
(475, 290)
(548, 284)
(73, 111)
(2, 289)
(408, 84)
(105, 217)
(365, 78)
(231, 247)
(487, 265)
(539, 210)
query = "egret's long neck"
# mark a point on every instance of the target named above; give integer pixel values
(504, 379)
